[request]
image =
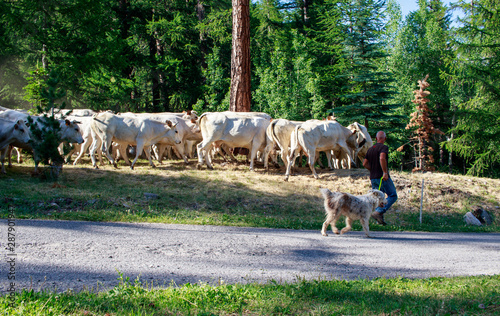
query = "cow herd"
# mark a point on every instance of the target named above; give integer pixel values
(152, 134)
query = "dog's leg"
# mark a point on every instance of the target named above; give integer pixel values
(331, 218)
(366, 226)
(348, 225)
(328, 219)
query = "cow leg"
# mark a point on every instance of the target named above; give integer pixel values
(203, 153)
(293, 155)
(147, 151)
(346, 150)
(8, 152)
(2, 158)
(83, 149)
(93, 148)
(122, 149)
(180, 150)
(310, 159)
(106, 147)
(329, 158)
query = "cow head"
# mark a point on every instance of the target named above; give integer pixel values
(172, 127)
(70, 132)
(21, 132)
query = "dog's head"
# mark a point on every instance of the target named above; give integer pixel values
(380, 196)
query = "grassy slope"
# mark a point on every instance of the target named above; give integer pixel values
(233, 195)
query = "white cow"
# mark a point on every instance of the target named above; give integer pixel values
(186, 129)
(279, 133)
(314, 136)
(11, 132)
(70, 131)
(88, 136)
(362, 132)
(235, 129)
(141, 132)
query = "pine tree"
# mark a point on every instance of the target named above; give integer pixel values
(478, 113)
(367, 89)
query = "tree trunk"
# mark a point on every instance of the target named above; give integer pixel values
(240, 57)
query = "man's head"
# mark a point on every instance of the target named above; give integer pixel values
(381, 137)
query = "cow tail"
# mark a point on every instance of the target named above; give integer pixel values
(273, 133)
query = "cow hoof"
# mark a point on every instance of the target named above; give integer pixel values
(116, 166)
(131, 167)
(286, 179)
(96, 167)
(198, 166)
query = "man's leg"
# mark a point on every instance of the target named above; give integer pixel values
(392, 196)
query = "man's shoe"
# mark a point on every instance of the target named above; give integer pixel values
(379, 218)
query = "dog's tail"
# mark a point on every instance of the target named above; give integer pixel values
(326, 193)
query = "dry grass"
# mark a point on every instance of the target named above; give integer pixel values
(231, 194)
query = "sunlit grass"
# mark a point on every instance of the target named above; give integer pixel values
(399, 296)
(233, 195)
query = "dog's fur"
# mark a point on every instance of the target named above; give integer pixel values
(353, 207)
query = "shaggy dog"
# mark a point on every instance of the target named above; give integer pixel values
(353, 207)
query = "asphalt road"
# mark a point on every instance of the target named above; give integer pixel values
(61, 255)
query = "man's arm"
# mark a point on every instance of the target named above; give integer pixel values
(383, 164)
(366, 164)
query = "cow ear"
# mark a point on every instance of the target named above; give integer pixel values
(169, 123)
(353, 132)
(193, 121)
(188, 112)
(16, 126)
(68, 123)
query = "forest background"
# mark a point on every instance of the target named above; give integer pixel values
(359, 59)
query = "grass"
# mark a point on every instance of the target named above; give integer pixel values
(233, 195)
(435, 296)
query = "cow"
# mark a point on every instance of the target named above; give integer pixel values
(278, 133)
(88, 137)
(186, 129)
(235, 129)
(69, 132)
(363, 133)
(141, 132)
(314, 136)
(11, 132)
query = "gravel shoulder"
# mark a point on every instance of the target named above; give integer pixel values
(62, 255)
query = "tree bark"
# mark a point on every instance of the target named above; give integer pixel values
(240, 57)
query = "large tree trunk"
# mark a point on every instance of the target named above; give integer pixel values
(240, 57)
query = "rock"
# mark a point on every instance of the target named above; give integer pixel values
(151, 196)
(470, 219)
(483, 216)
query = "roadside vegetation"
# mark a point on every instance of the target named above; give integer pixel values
(233, 195)
(434, 296)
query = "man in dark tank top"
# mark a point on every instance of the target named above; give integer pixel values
(376, 160)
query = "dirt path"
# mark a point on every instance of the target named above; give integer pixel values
(75, 255)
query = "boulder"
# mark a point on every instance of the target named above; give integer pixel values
(470, 219)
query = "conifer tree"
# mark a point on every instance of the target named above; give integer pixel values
(424, 128)
(367, 88)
